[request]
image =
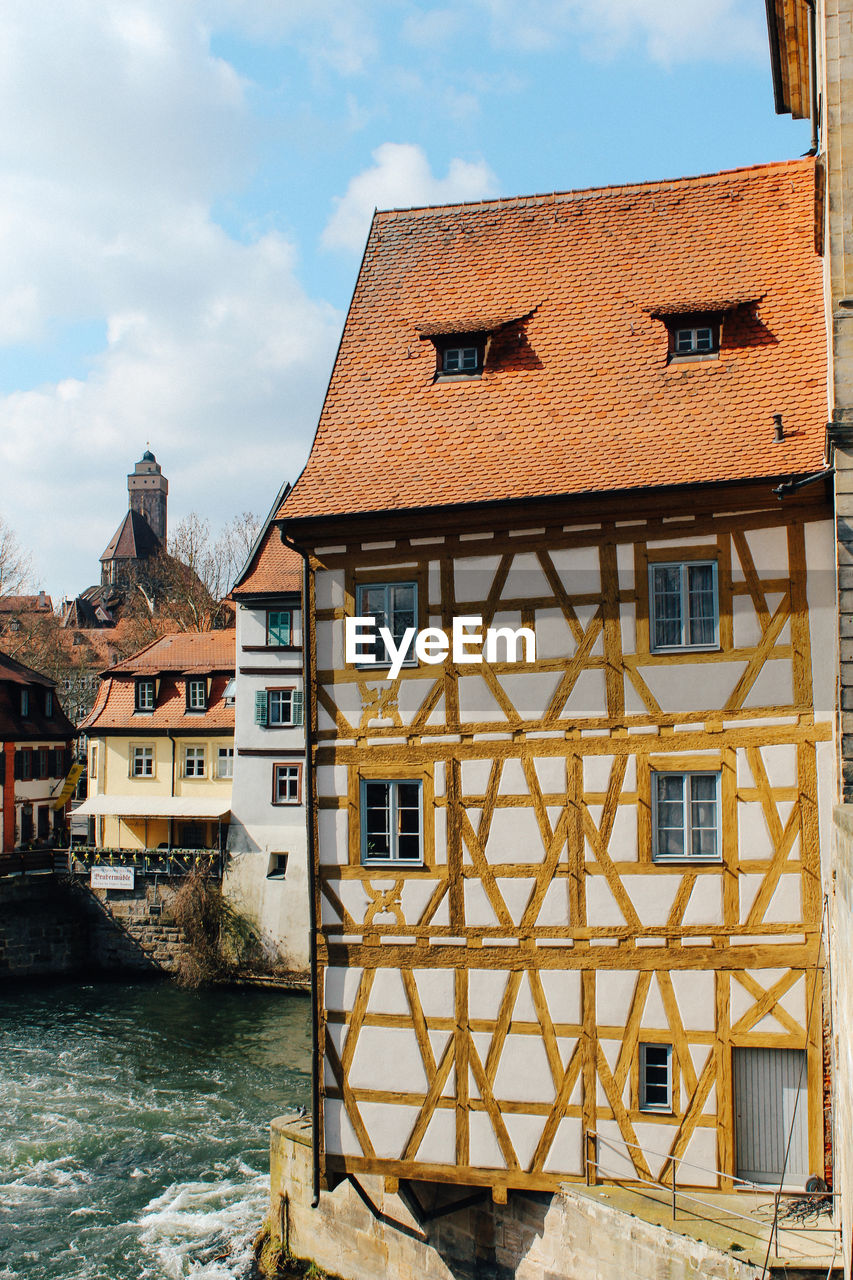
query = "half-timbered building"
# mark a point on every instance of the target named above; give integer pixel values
(568, 905)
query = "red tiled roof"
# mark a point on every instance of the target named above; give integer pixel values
(185, 652)
(115, 708)
(26, 604)
(580, 396)
(274, 568)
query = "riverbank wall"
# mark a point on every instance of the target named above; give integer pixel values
(53, 926)
(364, 1231)
(43, 931)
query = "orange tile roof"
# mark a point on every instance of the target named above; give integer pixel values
(184, 652)
(274, 568)
(115, 708)
(26, 604)
(579, 397)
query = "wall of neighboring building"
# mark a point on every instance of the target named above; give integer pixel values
(841, 975)
(261, 835)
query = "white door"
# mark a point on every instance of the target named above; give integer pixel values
(771, 1110)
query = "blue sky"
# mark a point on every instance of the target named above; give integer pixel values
(186, 189)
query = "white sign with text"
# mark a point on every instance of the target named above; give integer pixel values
(112, 878)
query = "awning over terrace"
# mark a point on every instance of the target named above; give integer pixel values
(153, 807)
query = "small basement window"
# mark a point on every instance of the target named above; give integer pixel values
(277, 867)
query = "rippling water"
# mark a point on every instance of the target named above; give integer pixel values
(134, 1127)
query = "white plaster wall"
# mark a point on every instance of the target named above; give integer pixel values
(259, 828)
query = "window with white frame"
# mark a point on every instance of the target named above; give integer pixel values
(684, 605)
(278, 627)
(196, 695)
(278, 708)
(391, 821)
(193, 762)
(145, 695)
(462, 359)
(655, 1077)
(287, 784)
(393, 605)
(225, 762)
(686, 816)
(141, 762)
(694, 340)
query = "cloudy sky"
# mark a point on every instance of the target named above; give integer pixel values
(186, 186)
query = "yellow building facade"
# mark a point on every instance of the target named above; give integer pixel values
(161, 747)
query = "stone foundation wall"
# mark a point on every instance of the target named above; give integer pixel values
(563, 1236)
(43, 930)
(133, 929)
(51, 926)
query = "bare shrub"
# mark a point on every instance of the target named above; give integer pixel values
(219, 939)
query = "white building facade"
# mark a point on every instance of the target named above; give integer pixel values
(266, 870)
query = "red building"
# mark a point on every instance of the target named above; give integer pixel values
(36, 738)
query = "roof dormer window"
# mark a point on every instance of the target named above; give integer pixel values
(461, 360)
(692, 341)
(460, 356)
(694, 337)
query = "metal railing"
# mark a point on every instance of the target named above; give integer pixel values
(594, 1174)
(19, 862)
(155, 862)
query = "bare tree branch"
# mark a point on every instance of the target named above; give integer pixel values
(15, 565)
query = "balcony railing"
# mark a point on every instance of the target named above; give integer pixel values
(23, 861)
(149, 862)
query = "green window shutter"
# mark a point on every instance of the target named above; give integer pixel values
(297, 702)
(261, 707)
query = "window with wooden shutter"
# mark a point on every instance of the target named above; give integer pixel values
(278, 627)
(261, 707)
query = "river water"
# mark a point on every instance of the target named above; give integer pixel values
(134, 1127)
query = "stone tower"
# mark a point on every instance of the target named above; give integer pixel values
(148, 490)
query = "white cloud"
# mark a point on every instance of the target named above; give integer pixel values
(400, 177)
(671, 30)
(123, 130)
(335, 33)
